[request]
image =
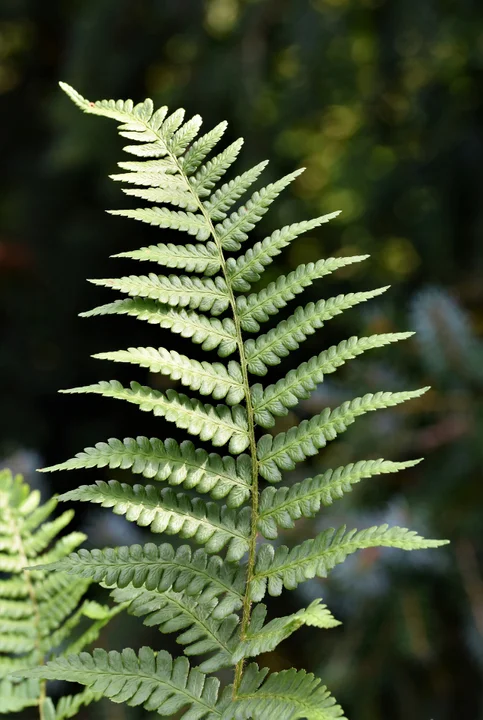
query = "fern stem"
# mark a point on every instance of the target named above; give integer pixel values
(251, 424)
(33, 599)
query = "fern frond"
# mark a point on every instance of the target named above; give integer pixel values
(208, 175)
(261, 638)
(276, 569)
(192, 223)
(214, 379)
(192, 258)
(149, 173)
(179, 197)
(275, 400)
(221, 200)
(69, 705)
(160, 567)
(247, 269)
(219, 424)
(174, 612)
(210, 333)
(258, 307)
(284, 450)
(153, 680)
(271, 348)
(281, 507)
(204, 294)
(286, 695)
(16, 696)
(174, 514)
(177, 464)
(195, 154)
(233, 230)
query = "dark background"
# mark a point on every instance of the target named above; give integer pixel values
(382, 102)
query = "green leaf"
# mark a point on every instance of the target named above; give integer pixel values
(276, 569)
(210, 333)
(279, 342)
(283, 506)
(214, 379)
(228, 194)
(233, 230)
(174, 514)
(153, 680)
(196, 293)
(283, 451)
(287, 695)
(246, 269)
(208, 175)
(195, 154)
(177, 464)
(160, 567)
(262, 638)
(192, 258)
(192, 223)
(275, 400)
(200, 632)
(219, 424)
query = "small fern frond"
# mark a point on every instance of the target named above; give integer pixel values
(153, 680)
(195, 154)
(282, 567)
(16, 696)
(160, 567)
(204, 294)
(286, 695)
(281, 507)
(173, 514)
(192, 223)
(177, 464)
(210, 333)
(275, 400)
(174, 612)
(261, 638)
(172, 194)
(247, 269)
(258, 307)
(221, 200)
(233, 231)
(220, 381)
(192, 258)
(271, 348)
(70, 705)
(219, 424)
(283, 451)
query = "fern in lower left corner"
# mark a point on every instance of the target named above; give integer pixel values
(42, 615)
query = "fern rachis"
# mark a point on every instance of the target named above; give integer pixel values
(214, 601)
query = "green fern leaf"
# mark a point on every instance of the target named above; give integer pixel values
(173, 514)
(69, 705)
(210, 333)
(246, 269)
(233, 230)
(196, 293)
(261, 638)
(174, 612)
(153, 680)
(219, 424)
(275, 400)
(258, 307)
(173, 196)
(284, 450)
(207, 378)
(16, 696)
(208, 175)
(192, 223)
(160, 567)
(195, 154)
(279, 342)
(281, 507)
(193, 258)
(223, 477)
(228, 194)
(287, 695)
(276, 569)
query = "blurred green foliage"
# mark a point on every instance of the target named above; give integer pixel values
(381, 101)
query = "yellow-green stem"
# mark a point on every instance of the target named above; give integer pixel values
(251, 425)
